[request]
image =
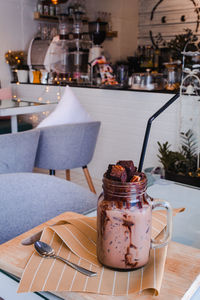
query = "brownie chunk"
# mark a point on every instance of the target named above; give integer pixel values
(123, 171)
(117, 173)
(107, 173)
(129, 166)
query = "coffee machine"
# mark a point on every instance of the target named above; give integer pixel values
(68, 53)
(97, 33)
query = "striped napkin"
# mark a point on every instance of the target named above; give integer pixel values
(75, 240)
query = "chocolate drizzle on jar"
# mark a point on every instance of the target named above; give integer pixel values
(128, 256)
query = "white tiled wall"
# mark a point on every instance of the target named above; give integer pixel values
(151, 13)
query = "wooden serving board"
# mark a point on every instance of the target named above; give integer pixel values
(182, 267)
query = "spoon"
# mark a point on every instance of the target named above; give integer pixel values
(46, 250)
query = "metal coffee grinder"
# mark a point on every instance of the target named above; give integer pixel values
(97, 33)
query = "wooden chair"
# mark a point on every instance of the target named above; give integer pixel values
(69, 146)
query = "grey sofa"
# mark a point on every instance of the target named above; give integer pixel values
(29, 199)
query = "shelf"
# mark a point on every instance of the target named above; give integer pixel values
(52, 19)
(39, 17)
(112, 34)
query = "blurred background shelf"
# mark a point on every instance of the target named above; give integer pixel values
(39, 17)
(112, 34)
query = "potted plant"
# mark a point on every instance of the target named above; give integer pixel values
(181, 166)
(17, 61)
(180, 42)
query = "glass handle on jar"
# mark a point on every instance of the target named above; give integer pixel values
(168, 233)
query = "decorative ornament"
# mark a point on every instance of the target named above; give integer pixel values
(157, 39)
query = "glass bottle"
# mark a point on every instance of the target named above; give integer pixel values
(52, 10)
(46, 8)
(58, 9)
(63, 26)
(124, 220)
(40, 7)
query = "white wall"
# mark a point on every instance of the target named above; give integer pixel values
(124, 20)
(16, 29)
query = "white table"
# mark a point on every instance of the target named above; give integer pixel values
(186, 230)
(186, 225)
(14, 108)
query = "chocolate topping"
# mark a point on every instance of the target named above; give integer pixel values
(117, 173)
(123, 171)
(129, 166)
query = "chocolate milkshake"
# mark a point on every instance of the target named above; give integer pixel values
(123, 218)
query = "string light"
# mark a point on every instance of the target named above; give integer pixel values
(58, 95)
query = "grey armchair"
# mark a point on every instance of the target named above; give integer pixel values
(69, 146)
(29, 199)
(18, 151)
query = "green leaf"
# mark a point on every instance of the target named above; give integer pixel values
(184, 161)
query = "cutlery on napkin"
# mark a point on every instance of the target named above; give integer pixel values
(36, 236)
